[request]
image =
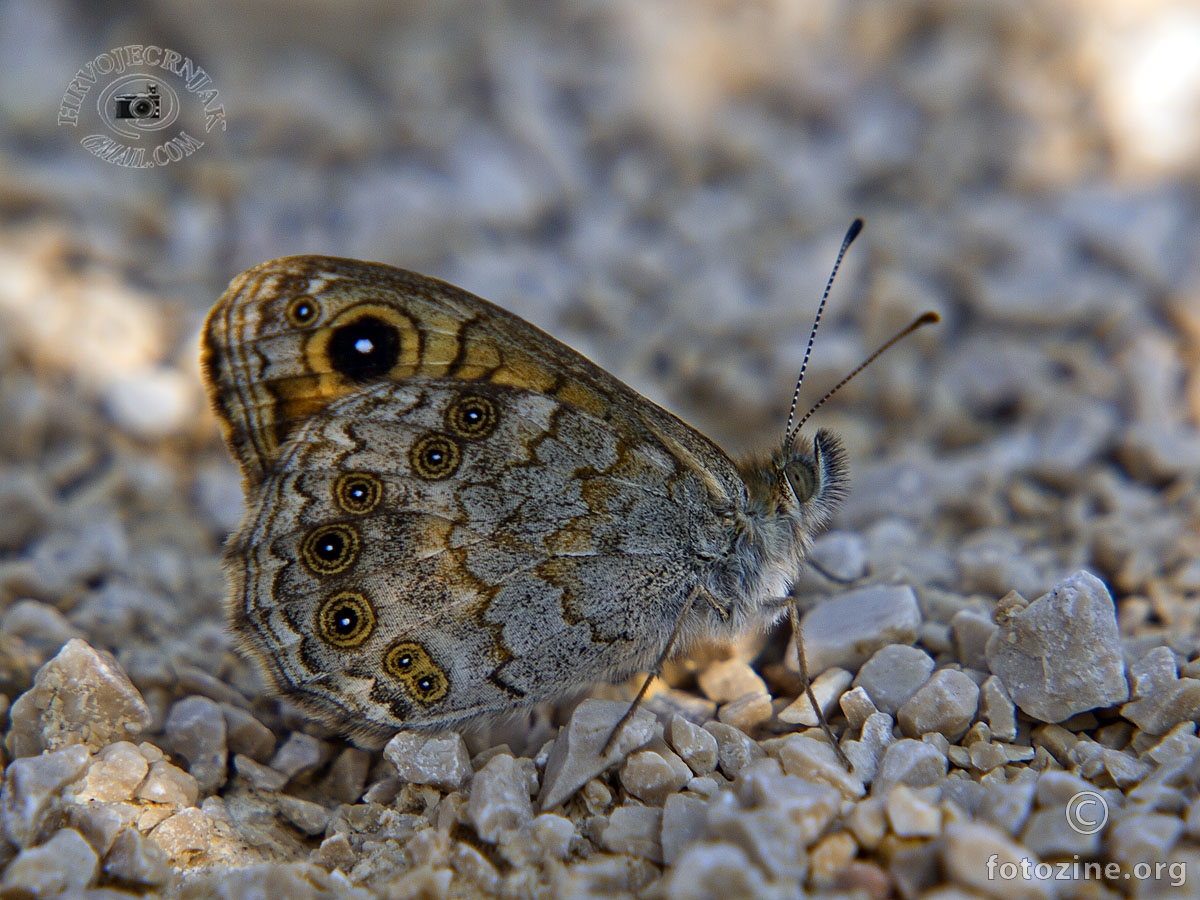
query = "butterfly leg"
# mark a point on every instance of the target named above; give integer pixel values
(798, 640)
(658, 666)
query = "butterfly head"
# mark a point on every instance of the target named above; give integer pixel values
(799, 486)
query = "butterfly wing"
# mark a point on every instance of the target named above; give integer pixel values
(450, 512)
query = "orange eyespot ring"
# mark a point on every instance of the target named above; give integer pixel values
(434, 457)
(358, 493)
(472, 417)
(303, 311)
(330, 549)
(346, 620)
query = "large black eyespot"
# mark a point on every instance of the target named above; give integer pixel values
(357, 493)
(303, 311)
(364, 349)
(472, 417)
(330, 549)
(434, 457)
(345, 620)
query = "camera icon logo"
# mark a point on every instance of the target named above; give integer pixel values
(134, 105)
(144, 105)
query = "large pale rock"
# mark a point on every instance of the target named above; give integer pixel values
(81, 696)
(1061, 655)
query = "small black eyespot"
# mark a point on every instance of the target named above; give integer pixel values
(303, 311)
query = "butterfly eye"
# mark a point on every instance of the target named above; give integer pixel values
(434, 457)
(330, 549)
(472, 417)
(345, 620)
(303, 311)
(358, 493)
(802, 479)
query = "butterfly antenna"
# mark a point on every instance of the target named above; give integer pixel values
(926, 318)
(853, 232)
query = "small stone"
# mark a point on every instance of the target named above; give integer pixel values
(845, 630)
(828, 688)
(1180, 743)
(734, 748)
(748, 711)
(137, 861)
(1007, 804)
(651, 778)
(246, 735)
(830, 857)
(195, 730)
(911, 816)
(986, 756)
(184, 834)
(857, 707)
(39, 626)
(840, 555)
(997, 709)
(893, 674)
(66, 862)
(868, 821)
(300, 754)
(774, 804)
(28, 508)
(718, 871)
(973, 853)
(1124, 769)
(1049, 835)
(945, 704)
(440, 760)
(475, 868)
(695, 746)
(910, 762)
(151, 403)
(168, 785)
(1018, 754)
(1062, 654)
(1161, 699)
(576, 756)
(807, 808)
(30, 801)
(258, 776)
(101, 823)
(81, 696)
(113, 775)
(552, 835)
(634, 830)
(683, 823)
(1145, 838)
(971, 630)
(729, 679)
(348, 775)
(499, 800)
(310, 818)
(815, 762)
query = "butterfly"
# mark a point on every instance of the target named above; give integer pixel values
(450, 514)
